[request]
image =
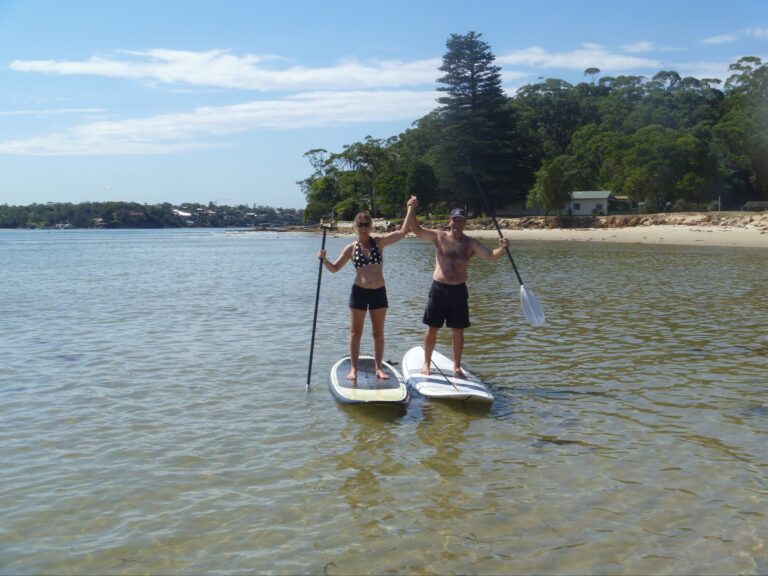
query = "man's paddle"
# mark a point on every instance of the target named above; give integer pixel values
(317, 302)
(438, 369)
(531, 307)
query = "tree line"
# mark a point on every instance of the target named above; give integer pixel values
(666, 142)
(134, 215)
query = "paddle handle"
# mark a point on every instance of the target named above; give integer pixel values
(489, 209)
(314, 320)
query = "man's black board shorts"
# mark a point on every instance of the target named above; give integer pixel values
(447, 304)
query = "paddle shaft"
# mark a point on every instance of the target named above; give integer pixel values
(441, 372)
(489, 209)
(314, 320)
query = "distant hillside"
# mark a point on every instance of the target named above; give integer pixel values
(134, 215)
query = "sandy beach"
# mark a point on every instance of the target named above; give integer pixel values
(743, 230)
(655, 234)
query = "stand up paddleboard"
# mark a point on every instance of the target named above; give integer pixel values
(441, 383)
(369, 388)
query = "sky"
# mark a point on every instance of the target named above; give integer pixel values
(191, 101)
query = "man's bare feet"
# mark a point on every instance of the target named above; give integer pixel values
(458, 372)
(381, 375)
(425, 369)
(352, 375)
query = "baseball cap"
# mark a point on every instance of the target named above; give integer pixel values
(458, 213)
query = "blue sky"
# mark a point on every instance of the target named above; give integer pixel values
(192, 101)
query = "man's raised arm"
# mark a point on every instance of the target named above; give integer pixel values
(413, 222)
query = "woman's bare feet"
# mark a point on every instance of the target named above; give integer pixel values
(459, 373)
(352, 375)
(381, 374)
(425, 369)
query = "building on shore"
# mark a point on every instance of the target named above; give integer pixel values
(589, 202)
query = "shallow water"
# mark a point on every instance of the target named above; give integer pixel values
(154, 418)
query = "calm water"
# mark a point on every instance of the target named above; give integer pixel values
(154, 418)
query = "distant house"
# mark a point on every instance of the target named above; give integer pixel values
(755, 206)
(589, 202)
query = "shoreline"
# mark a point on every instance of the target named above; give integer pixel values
(685, 229)
(691, 229)
(664, 234)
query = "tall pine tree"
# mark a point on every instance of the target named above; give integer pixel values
(478, 123)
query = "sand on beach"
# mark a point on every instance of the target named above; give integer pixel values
(660, 234)
(692, 229)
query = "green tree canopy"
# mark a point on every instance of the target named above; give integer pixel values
(554, 183)
(662, 140)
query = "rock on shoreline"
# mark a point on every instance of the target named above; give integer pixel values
(753, 220)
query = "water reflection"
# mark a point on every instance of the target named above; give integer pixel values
(368, 461)
(442, 428)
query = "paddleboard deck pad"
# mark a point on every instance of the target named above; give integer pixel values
(441, 383)
(368, 388)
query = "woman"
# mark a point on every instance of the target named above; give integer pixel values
(368, 291)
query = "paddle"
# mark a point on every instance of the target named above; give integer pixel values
(441, 372)
(314, 320)
(531, 307)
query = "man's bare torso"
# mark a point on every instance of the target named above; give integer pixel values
(452, 255)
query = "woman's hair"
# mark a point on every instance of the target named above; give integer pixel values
(361, 217)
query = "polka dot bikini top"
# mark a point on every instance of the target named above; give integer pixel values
(360, 259)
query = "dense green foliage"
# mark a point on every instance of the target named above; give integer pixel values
(133, 215)
(668, 142)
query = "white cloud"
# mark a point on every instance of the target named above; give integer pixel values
(638, 47)
(204, 126)
(759, 33)
(590, 55)
(701, 70)
(51, 112)
(348, 92)
(221, 69)
(721, 39)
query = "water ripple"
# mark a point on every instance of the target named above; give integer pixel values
(154, 417)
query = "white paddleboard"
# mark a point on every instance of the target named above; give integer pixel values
(368, 388)
(441, 383)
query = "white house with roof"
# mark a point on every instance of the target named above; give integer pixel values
(588, 202)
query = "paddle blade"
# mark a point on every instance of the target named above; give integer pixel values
(531, 307)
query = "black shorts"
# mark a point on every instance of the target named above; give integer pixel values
(447, 304)
(368, 298)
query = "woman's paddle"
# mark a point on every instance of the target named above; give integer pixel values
(314, 320)
(531, 307)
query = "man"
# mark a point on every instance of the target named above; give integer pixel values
(448, 297)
